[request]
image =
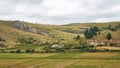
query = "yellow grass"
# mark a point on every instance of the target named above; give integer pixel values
(10, 62)
(97, 55)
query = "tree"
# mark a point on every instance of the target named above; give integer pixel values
(78, 37)
(109, 36)
(18, 51)
(28, 51)
(95, 28)
(111, 28)
(1, 39)
(33, 50)
(91, 32)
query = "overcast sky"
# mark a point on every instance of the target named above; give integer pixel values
(60, 11)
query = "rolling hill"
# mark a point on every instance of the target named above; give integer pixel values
(47, 33)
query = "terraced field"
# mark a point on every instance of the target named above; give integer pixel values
(61, 60)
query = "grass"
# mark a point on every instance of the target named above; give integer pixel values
(100, 55)
(64, 56)
(60, 60)
(23, 56)
(11, 62)
(29, 46)
(33, 63)
(103, 34)
(95, 64)
(59, 63)
(11, 35)
(56, 60)
(86, 55)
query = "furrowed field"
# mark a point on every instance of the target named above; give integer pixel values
(61, 60)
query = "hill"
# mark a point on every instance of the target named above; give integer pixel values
(12, 35)
(20, 34)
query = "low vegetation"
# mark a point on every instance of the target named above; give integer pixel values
(61, 60)
(79, 45)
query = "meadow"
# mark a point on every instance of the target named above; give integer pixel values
(61, 60)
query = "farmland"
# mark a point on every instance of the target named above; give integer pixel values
(61, 60)
(24, 49)
(60, 34)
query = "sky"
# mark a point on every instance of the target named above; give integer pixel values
(60, 11)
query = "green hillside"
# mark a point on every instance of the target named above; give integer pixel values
(12, 35)
(16, 38)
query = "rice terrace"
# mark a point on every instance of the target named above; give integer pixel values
(59, 33)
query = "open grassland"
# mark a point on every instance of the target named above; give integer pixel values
(61, 60)
(103, 34)
(12, 35)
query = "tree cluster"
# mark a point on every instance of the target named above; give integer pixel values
(91, 32)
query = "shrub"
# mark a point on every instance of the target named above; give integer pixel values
(1, 39)
(77, 37)
(28, 51)
(12, 51)
(33, 50)
(60, 50)
(109, 36)
(18, 51)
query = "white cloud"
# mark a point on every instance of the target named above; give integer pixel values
(60, 11)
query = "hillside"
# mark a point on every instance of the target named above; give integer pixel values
(14, 34)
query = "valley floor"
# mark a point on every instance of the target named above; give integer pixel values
(61, 60)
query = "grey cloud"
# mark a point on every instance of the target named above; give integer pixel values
(60, 11)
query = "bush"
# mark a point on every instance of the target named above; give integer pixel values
(18, 51)
(12, 51)
(92, 50)
(109, 36)
(28, 51)
(78, 47)
(33, 50)
(77, 37)
(1, 39)
(60, 50)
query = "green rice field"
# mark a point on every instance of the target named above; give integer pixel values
(61, 60)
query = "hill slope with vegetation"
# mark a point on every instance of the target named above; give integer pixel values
(25, 35)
